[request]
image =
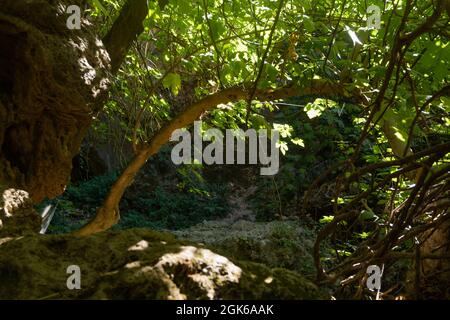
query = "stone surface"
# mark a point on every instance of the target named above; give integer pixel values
(137, 264)
(17, 215)
(286, 244)
(52, 81)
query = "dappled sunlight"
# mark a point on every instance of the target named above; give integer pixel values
(216, 150)
(141, 245)
(12, 199)
(208, 270)
(132, 265)
(5, 240)
(268, 280)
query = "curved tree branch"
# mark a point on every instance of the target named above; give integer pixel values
(108, 214)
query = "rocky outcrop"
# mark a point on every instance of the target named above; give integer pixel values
(52, 81)
(17, 215)
(137, 264)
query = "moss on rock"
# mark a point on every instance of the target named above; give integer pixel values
(137, 264)
(283, 244)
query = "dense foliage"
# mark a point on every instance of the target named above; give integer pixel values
(364, 137)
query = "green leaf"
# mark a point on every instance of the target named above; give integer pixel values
(98, 5)
(326, 219)
(259, 122)
(363, 235)
(217, 28)
(172, 81)
(309, 24)
(282, 145)
(298, 142)
(367, 215)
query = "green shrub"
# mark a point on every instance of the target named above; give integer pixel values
(168, 206)
(90, 194)
(326, 139)
(163, 209)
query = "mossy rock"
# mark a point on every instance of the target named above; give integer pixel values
(276, 244)
(137, 264)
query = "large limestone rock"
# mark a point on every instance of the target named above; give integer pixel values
(137, 264)
(52, 80)
(17, 215)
